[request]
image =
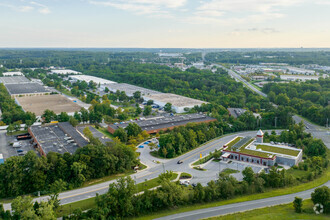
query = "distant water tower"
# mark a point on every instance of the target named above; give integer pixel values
(260, 137)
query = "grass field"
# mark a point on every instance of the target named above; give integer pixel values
(278, 150)
(105, 132)
(278, 212)
(229, 171)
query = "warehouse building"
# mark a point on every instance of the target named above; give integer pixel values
(253, 150)
(26, 89)
(128, 89)
(87, 79)
(179, 103)
(14, 80)
(13, 74)
(64, 72)
(162, 123)
(60, 138)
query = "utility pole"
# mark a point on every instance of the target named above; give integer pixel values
(275, 121)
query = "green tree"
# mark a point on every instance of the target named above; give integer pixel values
(63, 117)
(22, 207)
(10, 128)
(168, 107)
(321, 195)
(147, 110)
(133, 129)
(297, 204)
(74, 122)
(248, 175)
(49, 115)
(137, 95)
(121, 134)
(150, 102)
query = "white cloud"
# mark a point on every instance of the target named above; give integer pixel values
(148, 7)
(240, 11)
(29, 6)
(43, 9)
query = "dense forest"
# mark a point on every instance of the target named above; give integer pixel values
(321, 57)
(29, 174)
(310, 99)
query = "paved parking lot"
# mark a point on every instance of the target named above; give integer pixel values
(217, 167)
(7, 150)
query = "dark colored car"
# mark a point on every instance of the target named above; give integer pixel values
(180, 162)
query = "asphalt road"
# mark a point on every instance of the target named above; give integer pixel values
(317, 131)
(239, 78)
(153, 171)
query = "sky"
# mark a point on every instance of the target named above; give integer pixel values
(165, 23)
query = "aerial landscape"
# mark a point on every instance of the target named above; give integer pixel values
(176, 109)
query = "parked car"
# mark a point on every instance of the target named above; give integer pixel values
(19, 151)
(180, 162)
(141, 146)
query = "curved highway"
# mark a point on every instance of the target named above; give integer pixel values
(153, 170)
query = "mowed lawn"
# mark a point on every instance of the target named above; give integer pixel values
(278, 212)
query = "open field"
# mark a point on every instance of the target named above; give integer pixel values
(56, 103)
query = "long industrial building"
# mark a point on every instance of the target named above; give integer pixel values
(156, 124)
(60, 138)
(21, 86)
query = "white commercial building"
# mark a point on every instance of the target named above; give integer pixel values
(87, 79)
(13, 74)
(179, 103)
(299, 77)
(64, 72)
(295, 70)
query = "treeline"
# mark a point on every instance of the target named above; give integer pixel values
(11, 112)
(45, 58)
(30, 173)
(185, 138)
(310, 99)
(256, 57)
(121, 202)
(296, 136)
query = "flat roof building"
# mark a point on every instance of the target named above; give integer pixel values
(128, 89)
(24, 89)
(156, 124)
(88, 78)
(60, 138)
(64, 72)
(13, 74)
(14, 80)
(179, 103)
